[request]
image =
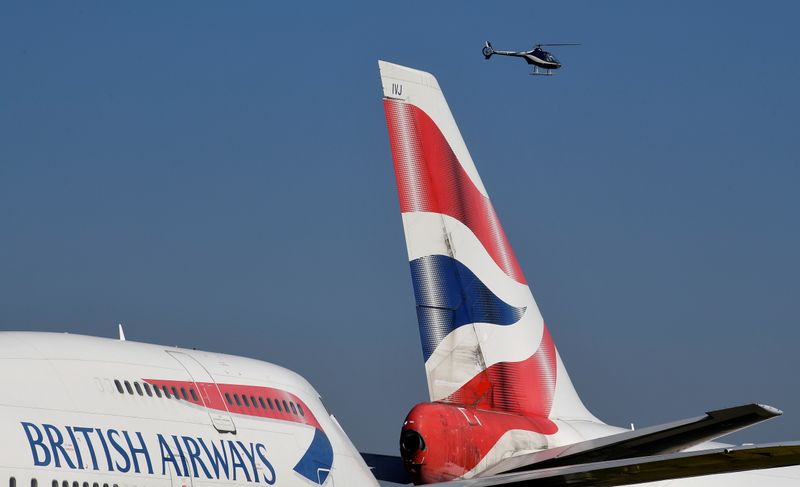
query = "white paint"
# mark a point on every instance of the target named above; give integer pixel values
(64, 379)
(424, 232)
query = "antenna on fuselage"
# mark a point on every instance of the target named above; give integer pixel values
(121, 333)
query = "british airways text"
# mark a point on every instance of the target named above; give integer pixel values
(127, 451)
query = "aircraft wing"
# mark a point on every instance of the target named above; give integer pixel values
(647, 469)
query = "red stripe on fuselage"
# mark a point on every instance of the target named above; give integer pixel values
(210, 398)
(431, 179)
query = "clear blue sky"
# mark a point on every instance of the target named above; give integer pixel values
(217, 175)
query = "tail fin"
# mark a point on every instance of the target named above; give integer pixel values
(483, 339)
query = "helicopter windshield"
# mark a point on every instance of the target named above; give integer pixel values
(544, 55)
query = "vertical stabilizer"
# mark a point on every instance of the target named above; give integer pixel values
(483, 339)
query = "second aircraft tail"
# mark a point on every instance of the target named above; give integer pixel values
(484, 341)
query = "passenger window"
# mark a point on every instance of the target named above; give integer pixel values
(183, 392)
(246, 402)
(34, 483)
(194, 395)
(228, 398)
(130, 391)
(55, 483)
(263, 404)
(86, 484)
(65, 484)
(138, 390)
(300, 408)
(12, 482)
(285, 407)
(236, 398)
(175, 393)
(166, 394)
(147, 389)
(76, 484)
(278, 404)
(293, 408)
(119, 386)
(105, 485)
(269, 401)
(95, 484)
(253, 401)
(157, 391)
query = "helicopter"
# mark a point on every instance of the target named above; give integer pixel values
(537, 56)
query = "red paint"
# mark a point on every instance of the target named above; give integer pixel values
(210, 398)
(431, 179)
(457, 438)
(460, 431)
(525, 387)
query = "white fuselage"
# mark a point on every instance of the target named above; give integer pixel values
(80, 411)
(66, 424)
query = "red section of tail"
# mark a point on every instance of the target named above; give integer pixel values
(525, 387)
(430, 179)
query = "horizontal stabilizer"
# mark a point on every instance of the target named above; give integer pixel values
(649, 469)
(654, 440)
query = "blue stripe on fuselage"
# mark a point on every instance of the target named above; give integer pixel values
(317, 461)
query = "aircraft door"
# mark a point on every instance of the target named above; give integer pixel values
(209, 392)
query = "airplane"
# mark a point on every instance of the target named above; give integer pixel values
(81, 411)
(537, 56)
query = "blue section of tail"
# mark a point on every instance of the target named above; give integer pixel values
(449, 295)
(317, 461)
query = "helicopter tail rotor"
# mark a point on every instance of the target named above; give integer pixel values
(487, 50)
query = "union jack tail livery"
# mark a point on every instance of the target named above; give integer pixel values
(485, 344)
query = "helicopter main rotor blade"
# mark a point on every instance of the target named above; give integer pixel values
(560, 44)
